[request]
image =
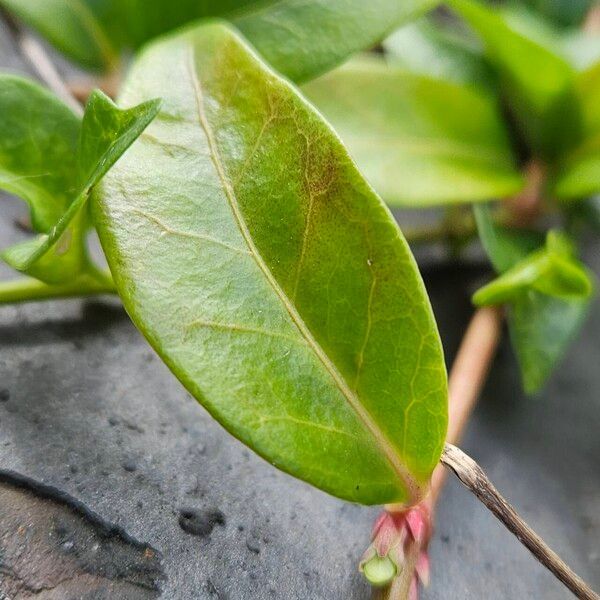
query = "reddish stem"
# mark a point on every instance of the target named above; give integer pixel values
(467, 378)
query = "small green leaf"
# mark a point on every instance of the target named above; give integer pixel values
(57, 257)
(420, 141)
(300, 39)
(541, 326)
(60, 255)
(107, 132)
(537, 80)
(269, 277)
(548, 270)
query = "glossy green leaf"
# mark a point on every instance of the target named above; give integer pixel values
(419, 141)
(300, 38)
(537, 80)
(106, 132)
(38, 149)
(270, 278)
(541, 326)
(429, 48)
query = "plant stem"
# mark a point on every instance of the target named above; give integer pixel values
(28, 289)
(592, 20)
(467, 377)
(37, 57)
(473, 477)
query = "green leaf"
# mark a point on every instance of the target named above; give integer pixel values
(299, 38)
(429, 48)
(566, 13)
(57, 257)
(538, 81)
(95, 32)
(107, 132)
(580, 48)
(60, 255)
(541, 326)
(548, 270)
(38, 148)
(303, 39)
(38, 163)
(270, 278)
(541, 329)
(576, 174)
(505, 246)
(419, 141)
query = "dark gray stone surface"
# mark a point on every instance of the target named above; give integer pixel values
(87, 408)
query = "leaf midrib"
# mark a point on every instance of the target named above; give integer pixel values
(412, 486)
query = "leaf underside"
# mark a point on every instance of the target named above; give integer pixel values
(270, 278)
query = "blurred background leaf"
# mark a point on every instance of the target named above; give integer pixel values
(438, 49)
(420, 141)
(537, 82)
(565, 13)
(299, 39)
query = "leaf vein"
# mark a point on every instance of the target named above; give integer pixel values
(197, 236)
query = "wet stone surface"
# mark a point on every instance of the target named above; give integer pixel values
(130, 490)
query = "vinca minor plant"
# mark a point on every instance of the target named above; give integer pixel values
(251, 245)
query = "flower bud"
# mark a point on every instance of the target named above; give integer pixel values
(399, 543)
